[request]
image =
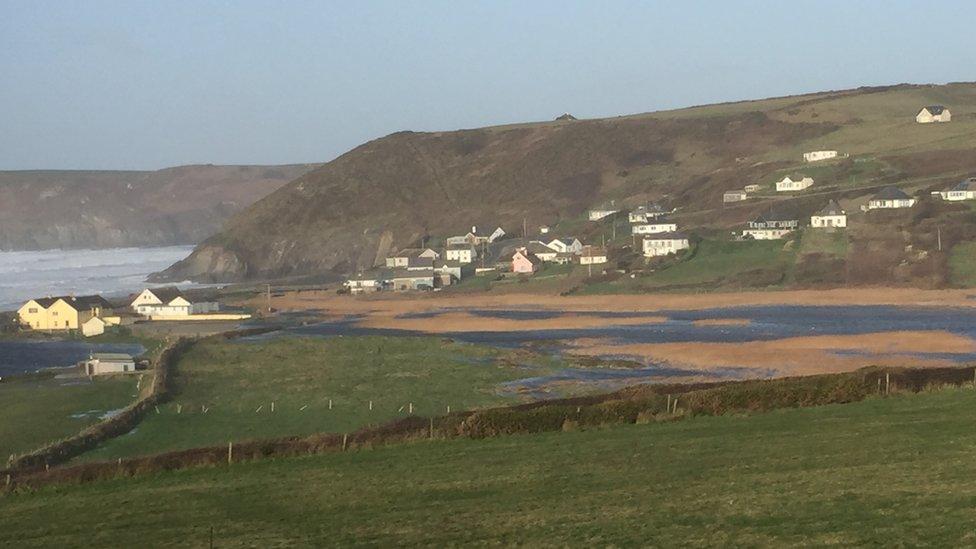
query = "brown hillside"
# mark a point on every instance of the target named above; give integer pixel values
(390, 192)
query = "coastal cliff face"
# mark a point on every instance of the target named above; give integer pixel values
(390, 193)
(108, 209)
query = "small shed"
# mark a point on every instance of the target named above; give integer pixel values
(93, 326)
(108, 363)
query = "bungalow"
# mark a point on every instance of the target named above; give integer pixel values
(830, 216)
(593, 255)
(933, 113)
(816, 156)
(657, 227)
(788, 184)
(571, 245)
(602, 211)
(403, 257)
(964, 190)
(541, 250)
(890, 198)
(751, 188)
(406, 279)
(734, 196)
(63, 312)
(108, 363)
(93, 326)
(476, 238)
(453, 271)
(524, 262)
(642, 214)
(464, 253)
(771, 225)
(364, 283)
(170, 303)
(665, 243)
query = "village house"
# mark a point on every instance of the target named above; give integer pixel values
(734, 196)
(889, 198)
(964, 190)
(404, 280)
(655, 227)
(643, 214)
(170, 303)
(751, 188)
(476, 238)
(63, 312)
(787, 184)
(816, 156)
(602, 211)
(369, 282)
(571, 245)
(524, 262)
(665, 243)
(593, 255)
(830, 216)
(541, 250)
(771, 225)
(464, 253)
(108, 363)
(933, 113)
(403, 257)
(94, 326)
(450, 272)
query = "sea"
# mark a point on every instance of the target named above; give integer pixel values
(109, 272)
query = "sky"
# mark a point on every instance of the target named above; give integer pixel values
(151, 84)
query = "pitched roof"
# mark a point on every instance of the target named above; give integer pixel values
(167, 294)
(569, 241)
(832, 208)
(934, 109)
(968, 184)
(536, 247)
(534, 259)
(408, 252)
(405, 273)
(777, 214)
(891, 193)
(80, 303)
(671, 235)
(420, 262)
(594, 251)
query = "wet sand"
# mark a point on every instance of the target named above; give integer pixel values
(795, 355)
(467, 322)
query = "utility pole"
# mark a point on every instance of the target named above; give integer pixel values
(525, 233)
(939, 232)
(269, 298)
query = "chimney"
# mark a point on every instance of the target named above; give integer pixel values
(474, 229)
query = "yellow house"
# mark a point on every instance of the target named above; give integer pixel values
(62, 313)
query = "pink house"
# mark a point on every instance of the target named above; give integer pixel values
(525, 262)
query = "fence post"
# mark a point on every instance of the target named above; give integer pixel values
(230, 453)
(669, 403)
(371, 406)
(887, 382)
(344, 435)
(431, 427)
(330, 403)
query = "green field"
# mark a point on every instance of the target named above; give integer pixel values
(824, 241)
(237, 382)
(715, 263)
(962, 264)
(879, 472)
(40, 409)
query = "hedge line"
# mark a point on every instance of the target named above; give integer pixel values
(639, 404)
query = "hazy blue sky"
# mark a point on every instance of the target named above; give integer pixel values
(149, 84)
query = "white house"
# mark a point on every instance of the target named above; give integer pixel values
(364, 283)
(734, 196)
(170, 303)
(403, 257)
(593, 255)
(642, 214)
(476, 238)
(570, 245)
(771, 225)
(461, 254)
(964, 190)
(830, 216)
(655, 227)
(664, 244)
(404, 280)
(890, 198)
(751, 188)
(108, 363)
(933, 113)
(814, 156)
(602, 211)
(787, 184)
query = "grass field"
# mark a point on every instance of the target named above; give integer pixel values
(41, 409)
(824, 241)
(714, 263)
(962, 264)
(880, 472)
(236, 382)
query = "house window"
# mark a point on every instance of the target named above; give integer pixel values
(32, 310)
(54, 313)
